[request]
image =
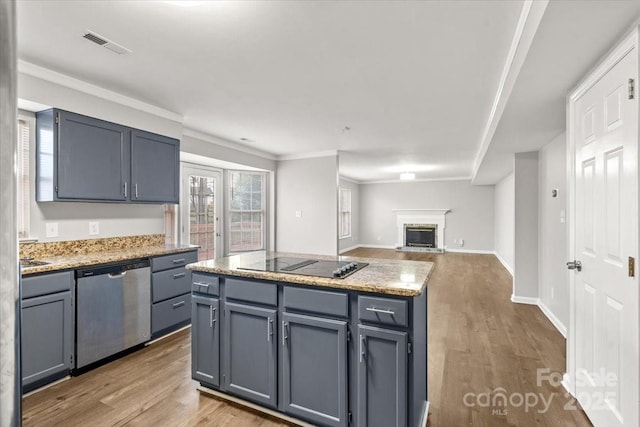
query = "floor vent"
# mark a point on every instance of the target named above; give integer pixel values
(106, 43)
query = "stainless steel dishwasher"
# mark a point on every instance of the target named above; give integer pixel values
(113, 306)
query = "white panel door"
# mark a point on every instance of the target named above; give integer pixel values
(605, 126)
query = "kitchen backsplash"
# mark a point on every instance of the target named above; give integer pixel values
(70, 247)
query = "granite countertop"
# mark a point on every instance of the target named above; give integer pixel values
(384, 276)
(77, 260)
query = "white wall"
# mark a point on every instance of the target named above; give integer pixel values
(471, 217)
(505, 221)
(354, 240)
(309, 186)
(525, 263)
(553, 283)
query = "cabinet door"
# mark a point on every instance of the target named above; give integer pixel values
(250, 352)
(46, 336)
(205, 340)
(155, 162)
(315, 368)
(382, 377)
(92, 158)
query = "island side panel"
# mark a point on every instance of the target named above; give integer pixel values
(418, 371)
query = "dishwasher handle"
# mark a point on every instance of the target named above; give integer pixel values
(117, 275)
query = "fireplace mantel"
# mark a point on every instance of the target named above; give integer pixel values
(420, 216)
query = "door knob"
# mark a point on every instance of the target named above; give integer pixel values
(574, 265)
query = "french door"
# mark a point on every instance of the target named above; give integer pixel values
(201, 210)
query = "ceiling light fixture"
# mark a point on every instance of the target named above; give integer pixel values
(407, 176)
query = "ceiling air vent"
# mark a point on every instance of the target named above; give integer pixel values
(106, 43)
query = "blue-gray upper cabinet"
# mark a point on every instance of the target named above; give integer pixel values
(80, 158)
(315, 368)
(155, 161)
(250, 352)
(382, 377)
(205, 344)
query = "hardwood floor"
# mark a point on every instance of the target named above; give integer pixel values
(480, 345)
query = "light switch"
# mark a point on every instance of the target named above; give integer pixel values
(298, 214)
(94, 228)
(51, 229)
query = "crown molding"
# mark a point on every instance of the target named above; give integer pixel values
(351, 180)
(49, 75)
(399, 181)
(327, 153)
(227, 143)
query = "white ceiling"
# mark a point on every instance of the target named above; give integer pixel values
(413, 81)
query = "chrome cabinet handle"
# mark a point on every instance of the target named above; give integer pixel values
(362, 344)
(269, 329)
(178, 261)
(135, 190)
(179, 275)
(178, 304)
(212, 318)
(381, 310)
(285, 332)
(125, 189)
(206, 285)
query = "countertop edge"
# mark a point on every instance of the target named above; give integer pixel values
(314, 282)
(113, 257)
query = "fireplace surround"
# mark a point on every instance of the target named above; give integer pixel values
(421, 217)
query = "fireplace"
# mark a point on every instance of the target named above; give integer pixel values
(421, 235)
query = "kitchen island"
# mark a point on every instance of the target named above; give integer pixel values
(329, 351)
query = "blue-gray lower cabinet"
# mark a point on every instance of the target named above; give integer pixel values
(46, 338)
(382, 377)
(205, 342)
(250, 352)
(314, 352)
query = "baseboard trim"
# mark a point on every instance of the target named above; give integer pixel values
(553, 319)
(348, 249)
(468, 251)
(524, 300)
(504, 263)
(425, 414)
(378, 246)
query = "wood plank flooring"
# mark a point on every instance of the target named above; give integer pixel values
(479, 343)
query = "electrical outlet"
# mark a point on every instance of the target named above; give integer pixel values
(298, 214)
(94, 228)
(461, 242)
(378, 238)
(51, 229)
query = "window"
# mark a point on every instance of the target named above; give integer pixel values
(246, 211)
(345, 213)
(24, 183)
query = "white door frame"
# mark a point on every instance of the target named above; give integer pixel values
(185, 169)
(621, 49)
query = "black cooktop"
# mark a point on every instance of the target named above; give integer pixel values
(308, 267)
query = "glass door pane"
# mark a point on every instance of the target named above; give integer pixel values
(201, 223)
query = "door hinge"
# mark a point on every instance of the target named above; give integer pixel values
(57, 119)
(71, 358)
(349, 417)
(631, 89)
(348, 335)
(409, 349)
(56, 189)
(632, 267)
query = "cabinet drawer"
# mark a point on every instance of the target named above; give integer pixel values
(33, 286)
(166, 262)
(244, 290)
(316, 301)
(383, 310)
(205, 284)
(170, 312)
(170, 283)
